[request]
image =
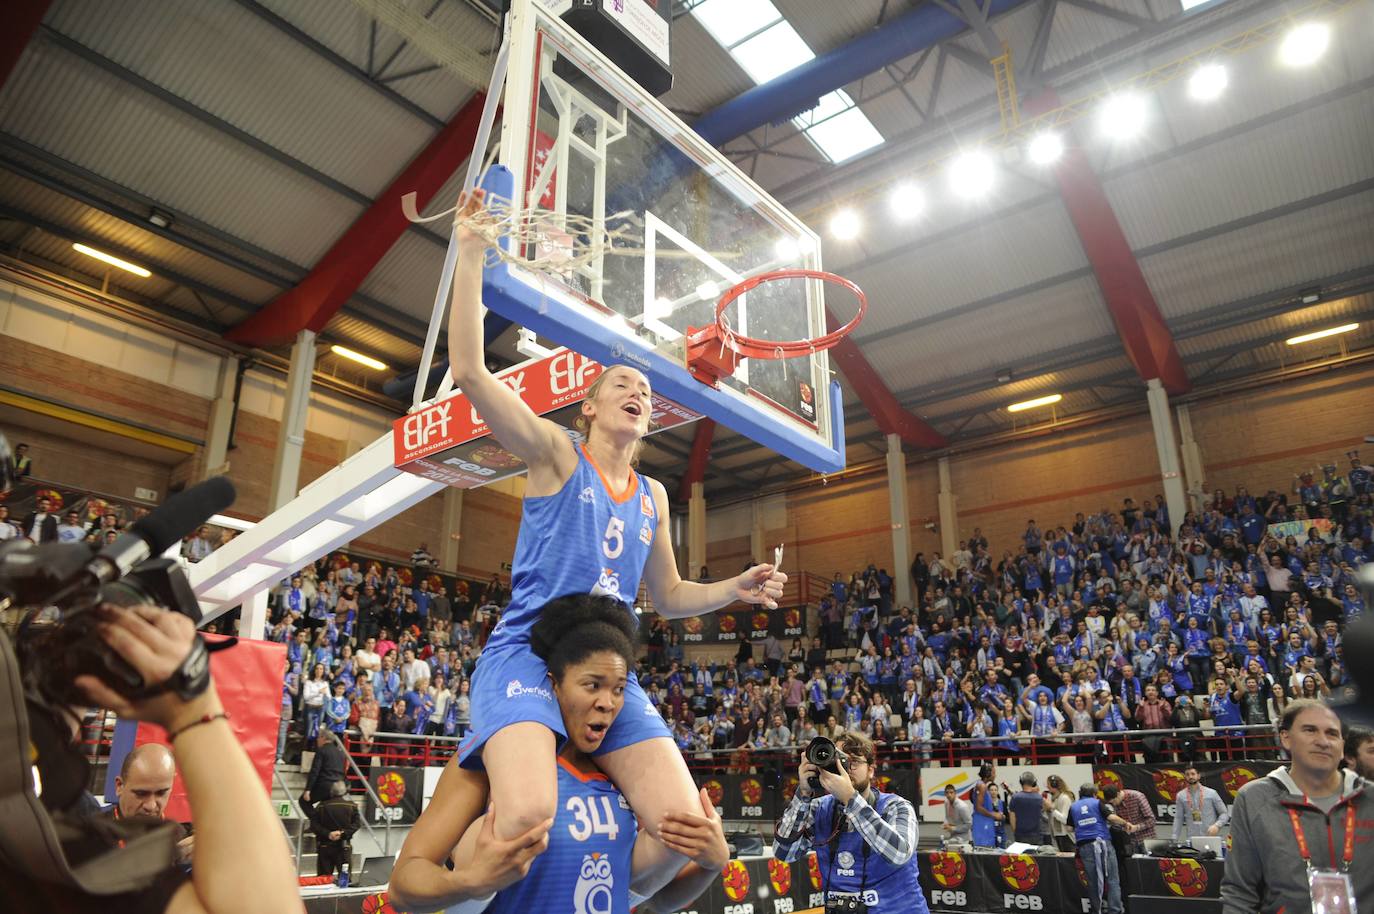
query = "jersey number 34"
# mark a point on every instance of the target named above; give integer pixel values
(592, 816)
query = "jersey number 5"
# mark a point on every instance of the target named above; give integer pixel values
(614, 543)
(592, 816)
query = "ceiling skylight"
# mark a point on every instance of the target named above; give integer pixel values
(772, 52)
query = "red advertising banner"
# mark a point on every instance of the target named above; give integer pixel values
(248, 679)
(449, 442)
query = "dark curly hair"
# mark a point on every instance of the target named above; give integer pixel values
(573, 627)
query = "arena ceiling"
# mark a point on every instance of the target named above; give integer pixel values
(227, 145)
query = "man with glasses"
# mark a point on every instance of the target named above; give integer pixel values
(865, 840)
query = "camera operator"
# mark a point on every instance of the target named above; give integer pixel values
(865, 840)
(235, 826)
(143, 787)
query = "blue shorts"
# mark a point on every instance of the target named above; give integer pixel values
(511, 686)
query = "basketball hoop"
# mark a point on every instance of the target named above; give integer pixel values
(715, 351)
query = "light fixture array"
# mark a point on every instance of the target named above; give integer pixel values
(1120, 114)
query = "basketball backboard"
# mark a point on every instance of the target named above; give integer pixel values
(580, 138)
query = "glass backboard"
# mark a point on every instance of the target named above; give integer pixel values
(579, 138)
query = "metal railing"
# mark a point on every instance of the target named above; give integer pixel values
(1231, 744)
(367, 788)
(300, 815)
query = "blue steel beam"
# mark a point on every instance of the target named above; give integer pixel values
(801, 87)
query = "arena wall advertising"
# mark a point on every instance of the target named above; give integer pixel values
(1161, 783)
(934, 779)
(741, 625)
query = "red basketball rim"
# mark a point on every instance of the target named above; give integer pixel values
(755, 348)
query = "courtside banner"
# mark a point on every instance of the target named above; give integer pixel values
(401, 791)
(1161, 783)
(450, 442)
(784, 623)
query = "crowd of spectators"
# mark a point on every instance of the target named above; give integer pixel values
(381, 648)
(1103, 625)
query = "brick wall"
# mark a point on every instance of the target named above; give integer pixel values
(66, 460)
(1261, 438)
(1257, 438)
(55, 376)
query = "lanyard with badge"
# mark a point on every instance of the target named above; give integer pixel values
(1195, 804)
(1331, 890)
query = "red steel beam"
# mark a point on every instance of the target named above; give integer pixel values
(1144, 333)
(697, 460)
(892, 419)
(319, 296)
(21, 22)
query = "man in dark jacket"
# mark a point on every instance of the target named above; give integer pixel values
(327, 769)
(41, 524)
(334, 821)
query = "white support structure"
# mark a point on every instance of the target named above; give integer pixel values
(286, 467)
(335, 509)
(1161, 420)
(221, 420)
(253, 616)
(1192, 459)
(696, 530)
(949, 513)
(901, 522)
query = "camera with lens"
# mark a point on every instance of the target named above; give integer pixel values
(845, 904)
(824, 754)
(50, 599)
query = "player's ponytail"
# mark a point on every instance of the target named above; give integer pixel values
(574, 627)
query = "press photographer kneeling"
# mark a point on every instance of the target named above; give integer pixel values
(865, 840)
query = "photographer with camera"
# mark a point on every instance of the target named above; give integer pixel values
(235, 827)
(93, 632)
(865, 840)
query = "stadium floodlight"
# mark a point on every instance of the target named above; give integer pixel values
(1207, 82)
(907, 201)
(1122, 117)
(845, 225)
(1032, 404)
(1321, 334)
(1045, 148)
(1304, 44)
(972, 174)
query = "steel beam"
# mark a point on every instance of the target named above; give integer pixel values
(344, 65)
(875, 396)
(340, 272)
(21, 22)
(799, 89)
(74, 176)
(700, 457)
(1144, 334)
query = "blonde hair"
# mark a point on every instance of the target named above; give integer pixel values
(583, 423)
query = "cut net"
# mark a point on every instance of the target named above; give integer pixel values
(542, 239)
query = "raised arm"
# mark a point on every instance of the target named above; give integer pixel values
(543, 446)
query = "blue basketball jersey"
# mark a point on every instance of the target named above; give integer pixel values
(586, 869)
(585, 538)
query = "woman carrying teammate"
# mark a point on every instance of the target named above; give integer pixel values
(590, 524)
(593, 846)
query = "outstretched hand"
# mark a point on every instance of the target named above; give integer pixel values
(761, 584)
